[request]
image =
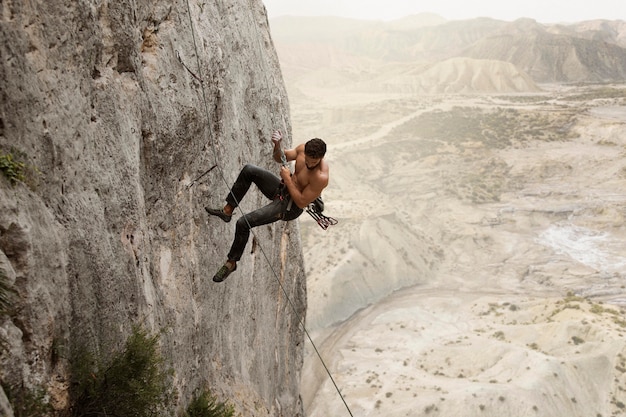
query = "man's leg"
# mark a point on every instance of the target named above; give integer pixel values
(268, 184)
(266, 181)
(265, 215)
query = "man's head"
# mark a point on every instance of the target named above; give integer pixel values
(314, 151)
(315, 148)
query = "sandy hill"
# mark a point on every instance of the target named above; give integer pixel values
(343, 73)
(568, 56)
(456, 75)
(611, 31)
(592, 51)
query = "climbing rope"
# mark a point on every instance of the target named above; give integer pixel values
(206, 108)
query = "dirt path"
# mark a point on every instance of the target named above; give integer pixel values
(384, 130)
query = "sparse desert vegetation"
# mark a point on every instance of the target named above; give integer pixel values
(479, 249)
(495, 128)
(465, 190)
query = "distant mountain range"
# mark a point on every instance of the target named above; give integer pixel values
(585, 52)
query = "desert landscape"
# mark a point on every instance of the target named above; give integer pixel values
(478, 267)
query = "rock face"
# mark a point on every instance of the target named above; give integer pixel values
(108, 230)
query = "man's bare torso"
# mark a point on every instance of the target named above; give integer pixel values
(302, 176)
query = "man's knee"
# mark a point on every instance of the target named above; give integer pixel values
(247, 168)
(242, 224)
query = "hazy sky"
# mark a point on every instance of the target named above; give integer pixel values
(544, 11)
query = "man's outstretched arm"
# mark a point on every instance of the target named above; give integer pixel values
(290, 154)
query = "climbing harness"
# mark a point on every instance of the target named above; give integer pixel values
(282, 193)
(282, 287)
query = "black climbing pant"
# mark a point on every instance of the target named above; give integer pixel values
(281, 207)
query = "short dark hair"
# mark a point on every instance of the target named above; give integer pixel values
(315, 148)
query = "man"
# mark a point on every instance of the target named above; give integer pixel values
(289, 196)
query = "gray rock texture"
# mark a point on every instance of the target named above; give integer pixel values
(108, 229)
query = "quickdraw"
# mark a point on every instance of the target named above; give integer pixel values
(322, 221)
(192, 183)
(187, 68)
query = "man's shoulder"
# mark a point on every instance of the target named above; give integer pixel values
(322, 174)
(324, 167)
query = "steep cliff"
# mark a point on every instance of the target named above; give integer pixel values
(105, 231)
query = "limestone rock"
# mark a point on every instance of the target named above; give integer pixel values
(105, 232)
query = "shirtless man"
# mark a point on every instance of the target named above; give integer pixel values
(289, 196)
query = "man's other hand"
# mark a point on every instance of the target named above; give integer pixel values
(285, 173)
(277, 137)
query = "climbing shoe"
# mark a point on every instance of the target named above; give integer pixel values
(224, 272)
(219, 213)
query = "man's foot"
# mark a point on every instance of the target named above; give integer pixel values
(224, 271)
(219, 213)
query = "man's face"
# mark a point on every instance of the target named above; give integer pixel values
(310, 162)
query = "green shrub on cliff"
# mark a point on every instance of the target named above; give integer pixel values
(132, 384)
(12, 169)
(205, 405)
(27, 402)
(15, 167)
